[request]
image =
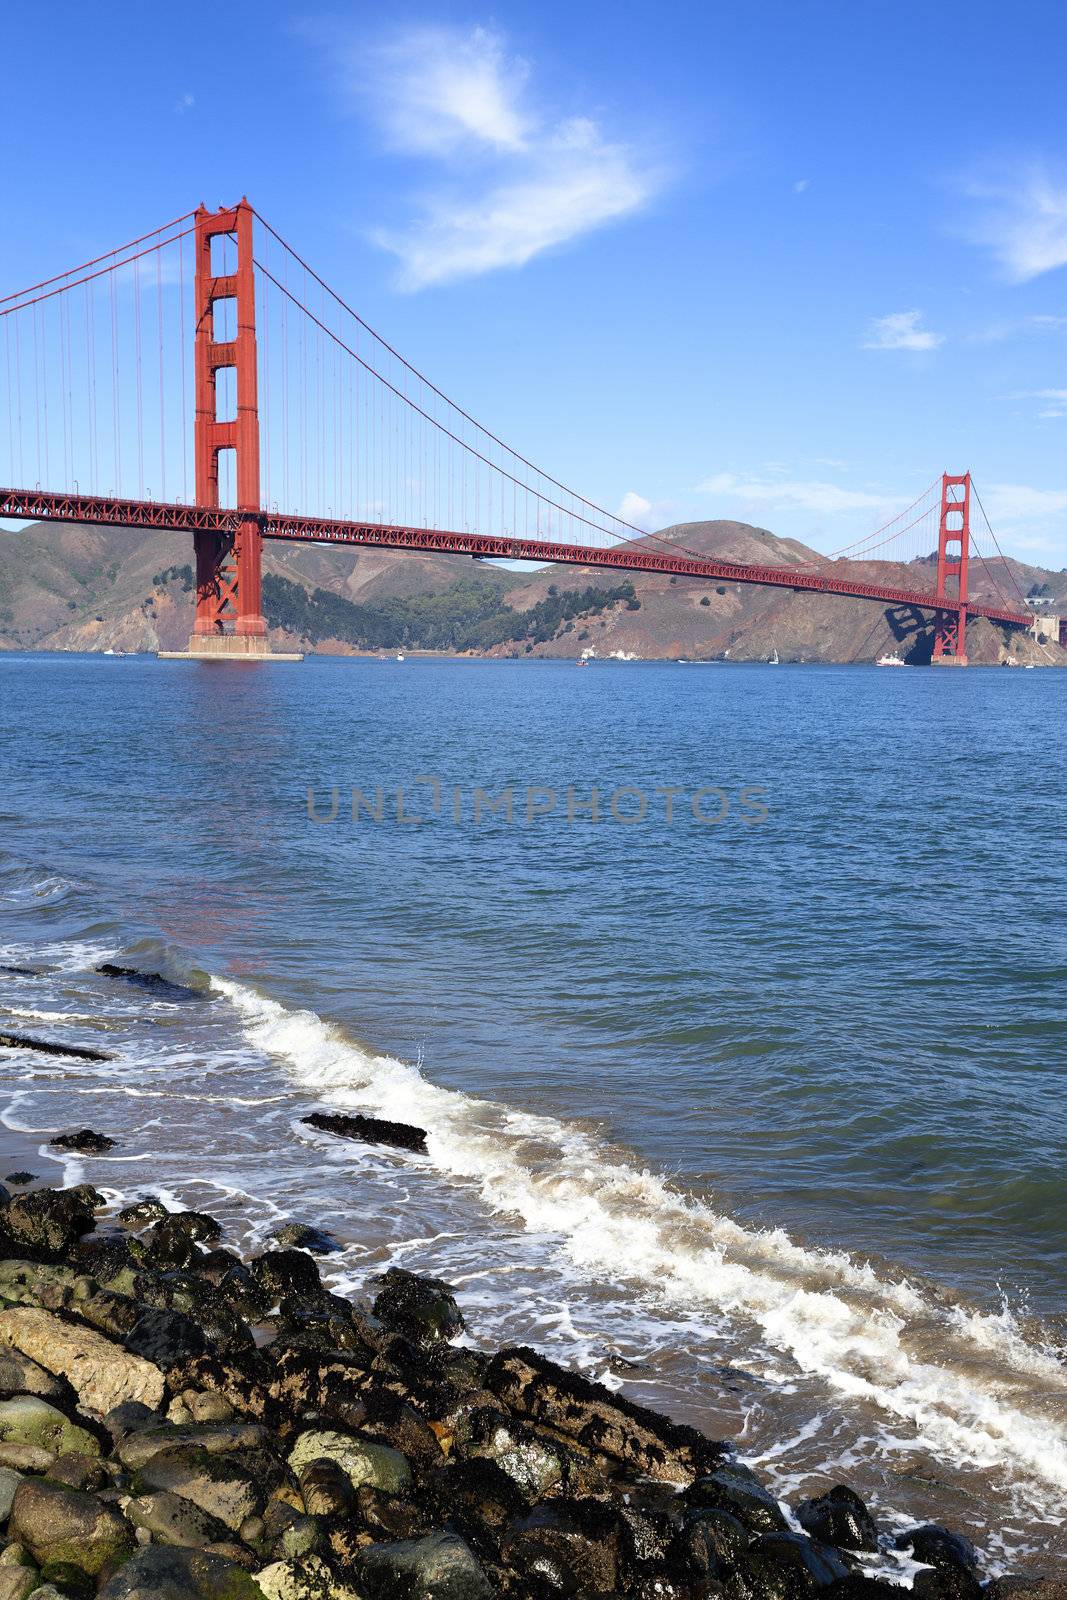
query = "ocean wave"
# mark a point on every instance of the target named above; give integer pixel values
(968, 1385)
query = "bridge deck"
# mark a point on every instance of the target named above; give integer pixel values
(39, 505)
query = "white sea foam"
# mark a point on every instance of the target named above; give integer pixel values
(986, 1399)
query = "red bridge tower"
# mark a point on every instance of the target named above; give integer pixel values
(950, 640)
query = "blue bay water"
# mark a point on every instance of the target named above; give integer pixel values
(764, 1118)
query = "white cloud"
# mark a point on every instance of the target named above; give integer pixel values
(512, 181)
(184, 103)
(797, 494)
(901, 331)
(1023, 220)
(632, 507)
(1009, 503)
(801, 185)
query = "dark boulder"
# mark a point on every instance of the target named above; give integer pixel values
(709, 1542)
(64, 1526)
(130, 1417)
(167, 1338)
(286, 1272)
(794, 1554)
(327, 1489)
(424, 1310)
(441, 1567)
(154, 982)
(86, 1142)
(45, 1224)
(839, 1517)
(371, 1130)
(937, 1547)
(299, 1236)
(20, 972)
(175, 1240)
(48, 1047)
(20, 1178)
(1026, 1586)
(732, 1487)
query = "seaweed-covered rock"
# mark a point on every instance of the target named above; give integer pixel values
(441, 1567)
(171, 1573)
(709, 1542)
(154, 982)
(101, 1372)
(306, 1578)
(18, 1583)
(139, 1446)
(86, 1141)
(363, 1460)
(175, 1239)
(326, 1487)
(839, 1517)
(286, 1272)
(143, 1213)
(575, 1545)
(424, 1310)
(45, 1222)
(370, 1130)
(603, 1422)
(41, 1427)
(732, 1487)
(32, 1283)
(166, 1338)
(60, 1525)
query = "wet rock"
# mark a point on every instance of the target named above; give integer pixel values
(286, 1272)
(166, 1338)
(143, 1213)
(207, 1407)
(389, 1516)
(86, 1142)
(172, 1573)
(937, 1547)
(20, 972)
(20, 1178)
(794, 1554)
(128, 1418)
(306, 1579)
(441, 1567)
(174, 1240)
(154, 982)
(424, 1310)
(734, 1488)
(42, 1429)
(48, 1222)
(372, 1130)
(173, 1520)
(20, 1375)
(474, 1495)
(113, 1258)
(224, 1486)
(62, 1526)
(101, 1372)
(299, 1236)
(601, 1421)
(709, 1542)
(48, 1047)
(575, 1545)
(839, 1517)
(363, 1460)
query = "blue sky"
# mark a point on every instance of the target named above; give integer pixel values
(770, 261)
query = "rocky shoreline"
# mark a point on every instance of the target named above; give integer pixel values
(181, 1424)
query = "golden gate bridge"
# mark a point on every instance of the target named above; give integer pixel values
(307, 425)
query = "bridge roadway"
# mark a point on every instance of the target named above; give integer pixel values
(38, 505)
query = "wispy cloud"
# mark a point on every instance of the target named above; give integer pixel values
(511, 180)
(797, 494)
(184, 103)
(1022, 218)
(1053, 401)
(901, 331)
(634, 507)
(802, 185)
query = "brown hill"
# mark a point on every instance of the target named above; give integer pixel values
(75, 588)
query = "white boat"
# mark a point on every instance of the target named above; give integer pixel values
(109, 652)
(581, 662)
(400, 656)
(891, 661)
(774, 662)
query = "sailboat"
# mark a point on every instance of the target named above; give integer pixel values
(774, 662)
